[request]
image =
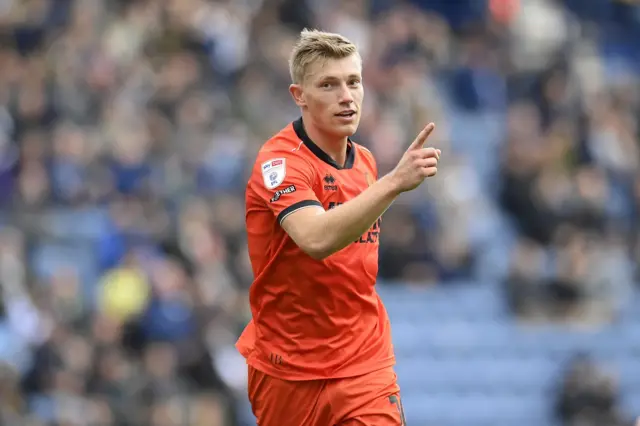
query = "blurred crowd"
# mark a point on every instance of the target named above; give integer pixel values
(589, 396)
(128, 128)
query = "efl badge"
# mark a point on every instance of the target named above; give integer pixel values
(273, 172)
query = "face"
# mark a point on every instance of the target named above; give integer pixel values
(331, 95)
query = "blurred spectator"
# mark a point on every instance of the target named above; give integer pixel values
(589, 396)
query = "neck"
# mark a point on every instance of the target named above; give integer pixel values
(335, 147)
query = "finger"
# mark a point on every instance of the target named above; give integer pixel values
(429, 171)
(427, 162)
(428, 153)
(422, 137)
(438, 153)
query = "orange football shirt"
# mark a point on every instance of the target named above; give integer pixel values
(312, 319)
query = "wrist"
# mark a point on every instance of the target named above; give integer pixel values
(391, 184)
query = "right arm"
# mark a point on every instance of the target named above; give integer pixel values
(321, 233)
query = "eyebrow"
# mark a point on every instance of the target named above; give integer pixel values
(333, 77)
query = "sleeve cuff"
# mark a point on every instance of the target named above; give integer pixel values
(297, 206)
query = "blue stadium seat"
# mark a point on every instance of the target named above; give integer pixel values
(460, 360)
(50, 258)
(84, 224)
(475, 408)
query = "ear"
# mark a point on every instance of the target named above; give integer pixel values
(297, 93)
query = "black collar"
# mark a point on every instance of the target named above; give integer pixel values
(298, 126)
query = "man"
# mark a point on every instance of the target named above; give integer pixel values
(319, 344)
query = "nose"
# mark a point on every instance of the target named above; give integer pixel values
(346, 97)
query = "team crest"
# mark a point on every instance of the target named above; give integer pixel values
(273, 172)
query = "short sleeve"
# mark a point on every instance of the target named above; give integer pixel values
(284, 182)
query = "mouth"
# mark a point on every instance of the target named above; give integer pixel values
(346, 114)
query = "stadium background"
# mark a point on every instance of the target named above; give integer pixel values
(127, 129)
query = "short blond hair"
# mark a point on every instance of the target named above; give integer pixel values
(315, 45)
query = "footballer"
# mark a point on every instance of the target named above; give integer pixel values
(318, 347)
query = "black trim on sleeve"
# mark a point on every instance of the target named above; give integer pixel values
(297, 206)
(298, 127)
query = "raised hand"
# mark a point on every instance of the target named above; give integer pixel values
(417, 163)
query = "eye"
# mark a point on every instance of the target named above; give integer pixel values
(326, 85)
(355, 82)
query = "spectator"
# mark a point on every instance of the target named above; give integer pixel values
(588, 396)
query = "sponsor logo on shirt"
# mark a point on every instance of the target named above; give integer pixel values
(371, 236)
(280, 192)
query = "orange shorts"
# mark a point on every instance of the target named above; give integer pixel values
(369, 400)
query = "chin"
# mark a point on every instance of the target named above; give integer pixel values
(346, 129)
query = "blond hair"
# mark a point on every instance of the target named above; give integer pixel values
(314, 45)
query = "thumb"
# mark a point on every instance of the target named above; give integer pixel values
(419, 141)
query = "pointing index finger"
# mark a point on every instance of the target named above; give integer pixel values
(418, 143)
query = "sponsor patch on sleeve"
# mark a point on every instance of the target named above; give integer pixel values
(279, 193)
(273, 172)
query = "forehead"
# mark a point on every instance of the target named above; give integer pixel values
(335, 68)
